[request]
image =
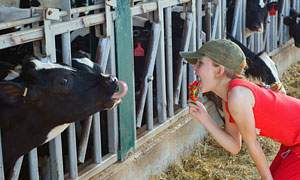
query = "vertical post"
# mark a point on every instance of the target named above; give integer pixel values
(160, 70)
(124, 49)
(112, 114)
(169, 61)
(1, 160)
(199, 23)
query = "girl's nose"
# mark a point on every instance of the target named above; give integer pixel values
(194, 68)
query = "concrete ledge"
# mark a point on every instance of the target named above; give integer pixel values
(285, 56)
(157, 154)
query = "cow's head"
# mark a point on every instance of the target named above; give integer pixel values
(47, 96)
(255, 14)
(48, 85)
(293, 21)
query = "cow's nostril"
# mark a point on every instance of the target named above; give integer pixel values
(112, 79)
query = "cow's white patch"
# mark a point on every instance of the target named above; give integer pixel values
(261, 3)
(12, 75)
(297, 20)
(85, 61)
(257, 131)
(41, 65)
(56, 131)
(269, 62)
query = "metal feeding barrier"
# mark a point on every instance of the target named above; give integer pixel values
(162, 96)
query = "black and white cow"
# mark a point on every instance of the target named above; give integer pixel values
(259, 65)
(293, 22)
(39, 104)
(256, 11)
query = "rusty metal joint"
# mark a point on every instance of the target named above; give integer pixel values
(150, 78)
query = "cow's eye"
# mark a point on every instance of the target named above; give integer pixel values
(63, 81)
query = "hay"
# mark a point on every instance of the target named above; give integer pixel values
(211, 161)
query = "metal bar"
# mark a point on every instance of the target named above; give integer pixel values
(267, 34)
(1, 159)
(15, 172)
(169, 61)
(208, 21)
(243, 22)
(199, 23)
(216, 21)
(124, 65)
(49, 39)
(72, 151)
(286, 28)
(62, 13)
(103, 51)
(149, 63)
(112, 114)
(184, 86)
(223, 19)
(33, 165)
(84, 138)
(192, 45)
(97, 138)
(149, 106)
(56, 160)
(160, 69)
(235, 20)
(184, 47)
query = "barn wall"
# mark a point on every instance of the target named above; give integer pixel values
(155, 156)
(285, 56)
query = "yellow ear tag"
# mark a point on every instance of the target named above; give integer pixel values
(25, 92)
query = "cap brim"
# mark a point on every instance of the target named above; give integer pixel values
(191, 56)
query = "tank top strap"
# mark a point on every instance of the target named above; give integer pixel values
(234, 83)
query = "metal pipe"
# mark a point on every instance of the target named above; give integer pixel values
(150, 61)
(84, 138)
(56, 159)
(169, 61)
(97, 138)
(33, 165)
(15, 172)
(208, 21)
(184, 47)
(112, 114)
(235, 17)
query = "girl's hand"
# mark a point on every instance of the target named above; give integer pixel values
(197, 111)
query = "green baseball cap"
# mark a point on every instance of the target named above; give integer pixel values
(222, 51)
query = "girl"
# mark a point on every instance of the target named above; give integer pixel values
(249, 109)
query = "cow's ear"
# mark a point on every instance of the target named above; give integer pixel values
(287, 20)
(11, 92)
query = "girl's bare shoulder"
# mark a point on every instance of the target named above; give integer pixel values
(240, 94)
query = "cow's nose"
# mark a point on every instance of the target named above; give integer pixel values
(257, 26)
(112, 79)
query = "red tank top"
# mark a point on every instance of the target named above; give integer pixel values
(277, 115)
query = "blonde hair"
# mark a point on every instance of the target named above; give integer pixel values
(277, 86)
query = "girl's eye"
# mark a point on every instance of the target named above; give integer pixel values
(64, 81)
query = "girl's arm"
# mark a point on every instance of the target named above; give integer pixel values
(240, 103)
(230, 139)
